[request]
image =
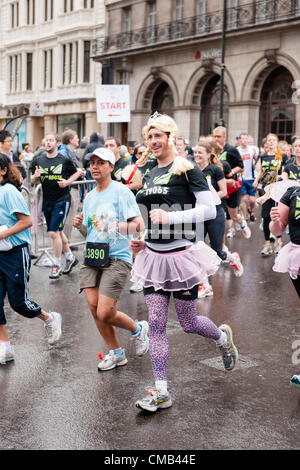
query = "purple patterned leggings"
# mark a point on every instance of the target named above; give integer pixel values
(189, 321)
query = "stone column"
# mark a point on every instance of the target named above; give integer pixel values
(50, 124)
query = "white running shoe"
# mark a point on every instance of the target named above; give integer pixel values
(228, 350)
(53, 329)
(230, 233)
(267, 250)
(237, 265)
(112, 360)
(237, 226)
(154, 400)
(142, 339)
(205, 291)
(246, 231)
(6, 354)
(136, 288)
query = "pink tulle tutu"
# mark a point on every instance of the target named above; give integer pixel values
(288, 260)
(176, 271)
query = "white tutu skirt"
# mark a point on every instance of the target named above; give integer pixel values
(288, 260)
(181, 270)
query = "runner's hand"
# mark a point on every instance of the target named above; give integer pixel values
(158, 216)
(137, 245)
(275, 214)
(77, 220)
(62, 183)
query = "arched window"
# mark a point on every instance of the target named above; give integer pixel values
(163, 101)
(277, 112)
(210, 106)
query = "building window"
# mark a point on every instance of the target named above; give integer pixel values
(71, 121)
(14, 15)
(277, 112)
(210, 106)
(48, 9)
(70, 63)
(30, 12)
(15, 68)
(68, 6)
(201, 16)
(151, 21)
(48, 69)
(86, 61)
(179, 10)
(122, 77)
(163, 100)
(29, 71)
(127, 25)
(88, 4)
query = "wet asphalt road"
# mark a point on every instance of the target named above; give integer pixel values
(54, 397)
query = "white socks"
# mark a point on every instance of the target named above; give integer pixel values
(222, 340)
(69, 256)
(162, 386)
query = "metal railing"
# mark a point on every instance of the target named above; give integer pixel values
(257, 13)
(40, 241)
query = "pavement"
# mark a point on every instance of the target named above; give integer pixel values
(55, 398)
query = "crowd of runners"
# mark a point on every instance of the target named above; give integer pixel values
(159, 214)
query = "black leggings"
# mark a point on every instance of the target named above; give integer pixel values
(216, 229)
(296, 283)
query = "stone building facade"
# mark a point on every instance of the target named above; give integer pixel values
(46, 70)
(169, 52)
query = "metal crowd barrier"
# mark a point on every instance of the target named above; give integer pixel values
(39, 231)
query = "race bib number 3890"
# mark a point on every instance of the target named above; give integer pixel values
(96, 255)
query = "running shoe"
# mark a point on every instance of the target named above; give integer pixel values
(246, 231)
(277, 247)
(142, 339)
(154, 400)
(53, 329)
(112, 360)
(225, 261)
(237, 265)
(228, 350)
(237, 226)
(205, 291)
(230, 233)
(251, 216)
(267, 250)
(55, 272)
(295, 381)
(70, 265)
(6, 354)
(136, 288)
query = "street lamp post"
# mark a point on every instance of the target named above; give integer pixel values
(221, 118)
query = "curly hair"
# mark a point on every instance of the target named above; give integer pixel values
(12, 175)
(166, 124)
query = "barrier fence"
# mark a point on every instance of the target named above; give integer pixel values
(41, 242)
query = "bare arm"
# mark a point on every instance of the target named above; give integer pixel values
(24, 222)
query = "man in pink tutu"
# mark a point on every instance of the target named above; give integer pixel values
(288, 259)
(174, 201)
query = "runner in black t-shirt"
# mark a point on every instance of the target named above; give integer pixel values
(291, 169)
(168, 261)
(56, 173)
(114, 144)
(233, 157)
(212, 169)
(269, 166)
(288, 259)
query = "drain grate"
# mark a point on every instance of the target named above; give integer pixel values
(217, 363)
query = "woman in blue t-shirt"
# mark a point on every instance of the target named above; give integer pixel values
(15, 221)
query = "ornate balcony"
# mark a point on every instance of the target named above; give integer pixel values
(256, 14)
